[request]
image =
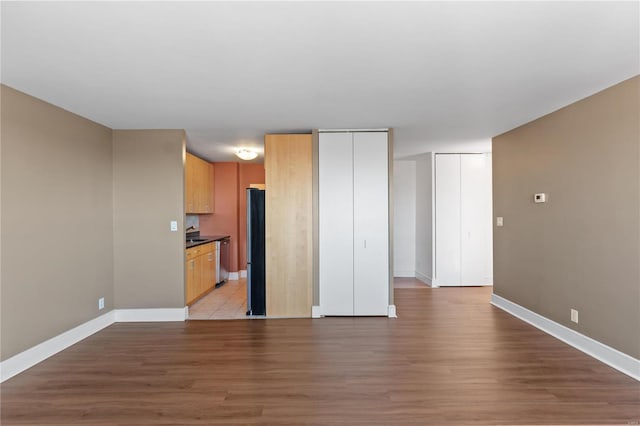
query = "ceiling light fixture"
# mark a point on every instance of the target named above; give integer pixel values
(246, 154)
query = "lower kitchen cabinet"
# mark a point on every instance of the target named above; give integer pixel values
(200, 271)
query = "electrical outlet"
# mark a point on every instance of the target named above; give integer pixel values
(101, 303)
(173, 225)
(499, 221)
(574, 315)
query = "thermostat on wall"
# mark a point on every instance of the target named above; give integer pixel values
(540, 198)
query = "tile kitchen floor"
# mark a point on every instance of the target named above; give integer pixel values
(226, 302)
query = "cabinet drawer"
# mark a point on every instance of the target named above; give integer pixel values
(209, 247)
(196, 251)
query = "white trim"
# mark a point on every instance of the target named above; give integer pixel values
(384, 129)
(425, 279)
(152, 315)
(488, 284)
(233, 276)
(38, 353)
(391, 311)
(316, 312)
(610, 356)
(434, 271)
(243, 273)
(404, 274)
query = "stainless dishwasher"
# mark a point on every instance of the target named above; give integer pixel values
(222, 260)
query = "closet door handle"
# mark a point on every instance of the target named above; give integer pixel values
(365, 243)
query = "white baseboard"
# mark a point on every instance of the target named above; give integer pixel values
(152, 315)
(243, 273)
(38, 353)
(425, 279)
(610, 356)
(316, 312)
(391, 311)
(404, 274)
(233, 276)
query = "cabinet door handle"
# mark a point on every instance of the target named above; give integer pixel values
(365, 243)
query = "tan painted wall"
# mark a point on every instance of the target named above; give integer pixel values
(56, 237)
(581, 249)
(148, 185)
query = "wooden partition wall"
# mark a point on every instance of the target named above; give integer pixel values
(289, 228)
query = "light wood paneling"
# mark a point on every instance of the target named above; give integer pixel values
(289, 262)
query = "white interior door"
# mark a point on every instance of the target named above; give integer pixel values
(447, 211)
(371, 223)
(475, 219)
(335, 217)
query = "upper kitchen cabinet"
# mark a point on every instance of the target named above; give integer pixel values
(198, 186)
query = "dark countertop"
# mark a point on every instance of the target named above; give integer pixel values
(204, 239)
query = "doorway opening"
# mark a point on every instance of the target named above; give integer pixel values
(228, 301)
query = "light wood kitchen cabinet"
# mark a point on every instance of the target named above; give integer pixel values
(189, 184)
(194, 278)
(201, 271)
(198, 185)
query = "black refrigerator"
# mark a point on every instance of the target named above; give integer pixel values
(256, 303)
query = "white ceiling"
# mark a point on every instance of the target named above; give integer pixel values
(447, 76)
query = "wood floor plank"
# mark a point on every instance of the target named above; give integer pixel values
(450, 358)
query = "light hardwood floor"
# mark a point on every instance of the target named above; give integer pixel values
(226, 302)
(449, 358)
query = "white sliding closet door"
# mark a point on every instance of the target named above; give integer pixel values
(475, 221)
(447, 229)
(371, 223)
(335, 213)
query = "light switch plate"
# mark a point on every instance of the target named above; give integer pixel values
(174, 225)
(540, 198)
(499, 221)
